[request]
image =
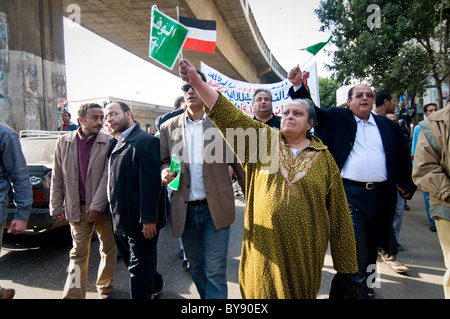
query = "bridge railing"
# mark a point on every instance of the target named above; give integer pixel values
(273, 62)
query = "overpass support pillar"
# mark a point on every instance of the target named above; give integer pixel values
(32, 64)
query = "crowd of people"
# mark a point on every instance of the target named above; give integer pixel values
(312, 179)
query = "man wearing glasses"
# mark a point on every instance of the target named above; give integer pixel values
(372, 157)
(203, 207)
(134, 194)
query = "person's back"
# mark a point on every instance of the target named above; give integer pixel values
(432, 150)
(431, 172)
(13, 171)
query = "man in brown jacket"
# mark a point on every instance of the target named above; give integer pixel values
(78, 188)
(431, 173)
(202, 209)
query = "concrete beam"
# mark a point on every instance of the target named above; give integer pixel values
(226, 45)
(32, 64)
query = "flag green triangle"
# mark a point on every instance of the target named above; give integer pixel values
(314, 49)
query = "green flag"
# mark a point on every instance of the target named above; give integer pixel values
(316, 47)
(175, 166)
(167, 37)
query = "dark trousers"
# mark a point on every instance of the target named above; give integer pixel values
(139, 254)
(367, 208)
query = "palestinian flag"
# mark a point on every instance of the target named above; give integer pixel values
(202, 35)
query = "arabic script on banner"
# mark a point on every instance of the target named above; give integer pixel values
(241, 93)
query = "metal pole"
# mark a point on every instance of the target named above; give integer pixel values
(178, 18)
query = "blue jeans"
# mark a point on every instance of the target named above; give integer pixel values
(206, 249)
(426, 198)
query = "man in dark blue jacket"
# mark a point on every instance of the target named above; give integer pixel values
(373, 159)
(134, 193)
(13, 173)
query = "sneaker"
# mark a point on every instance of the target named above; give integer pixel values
(433, 229)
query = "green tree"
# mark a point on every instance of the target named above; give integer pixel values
(398, 47)
(327, 92)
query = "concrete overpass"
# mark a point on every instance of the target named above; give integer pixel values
(241, 51)
(32, 63)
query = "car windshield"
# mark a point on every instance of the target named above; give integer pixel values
(38, 150)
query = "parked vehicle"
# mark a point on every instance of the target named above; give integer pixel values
(38, 148)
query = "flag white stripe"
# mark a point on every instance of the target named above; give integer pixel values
(204, 35)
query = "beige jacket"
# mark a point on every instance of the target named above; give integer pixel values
(216, 176)
(64, 187)
(431, 169)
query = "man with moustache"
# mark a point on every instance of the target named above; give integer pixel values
(136, 198)
(78, 188)
(262, 102)
(375, 164)
(67, 124)
(203, 207)
(262, 106)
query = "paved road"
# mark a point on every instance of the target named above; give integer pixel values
(35, 264)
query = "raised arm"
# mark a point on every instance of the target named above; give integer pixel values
(296, 78)
(189, 74)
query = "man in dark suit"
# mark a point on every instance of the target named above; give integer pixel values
(262, 106)
(370, 152)
(134, 193)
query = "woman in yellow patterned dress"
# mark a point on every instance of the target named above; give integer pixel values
(295, 200)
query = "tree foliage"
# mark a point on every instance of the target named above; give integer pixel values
(327, 92)
(400, 51)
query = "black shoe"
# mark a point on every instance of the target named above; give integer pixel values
(399, 247)
(406, 207)
(370, 293)
(157, 288)
(186, 264)
(181, 254)
(433, 229)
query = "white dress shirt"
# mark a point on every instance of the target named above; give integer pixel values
(120, 137)
(367, 160)
(194, 143)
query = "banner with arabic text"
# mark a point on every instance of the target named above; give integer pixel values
(241, 93)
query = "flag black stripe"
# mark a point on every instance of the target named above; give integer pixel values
(199, 24)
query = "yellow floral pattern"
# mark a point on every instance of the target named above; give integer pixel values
(295, 168)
